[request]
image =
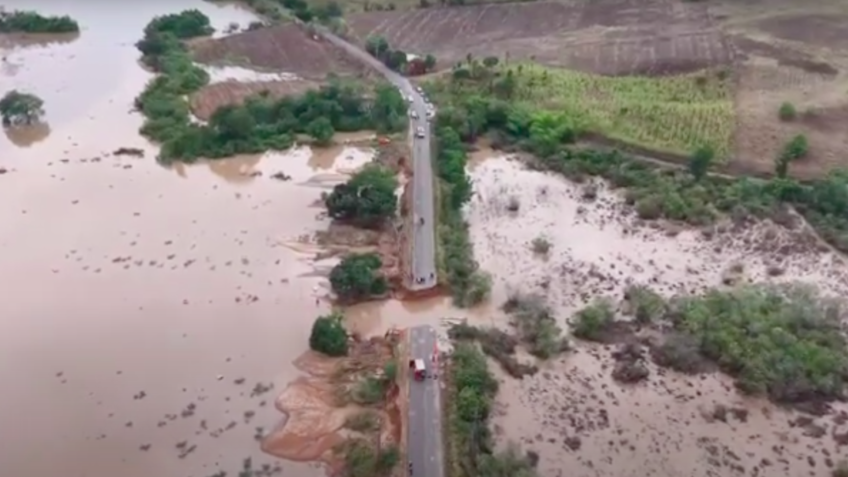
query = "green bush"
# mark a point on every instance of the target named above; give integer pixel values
(329, 335)
(357, 278)
(32, 22)
(20, 108)
(363, 421)
(787, 112)
(367, 198)
(591, 322)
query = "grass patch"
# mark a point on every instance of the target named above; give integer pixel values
(361, 459)
(536, 325)
(675, 114)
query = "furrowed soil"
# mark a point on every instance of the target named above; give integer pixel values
(572, 413)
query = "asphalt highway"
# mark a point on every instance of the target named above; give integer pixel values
(424, 435)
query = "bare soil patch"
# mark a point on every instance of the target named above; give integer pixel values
(658, 37)
(287, 48)
(213, 96)
(829, 31)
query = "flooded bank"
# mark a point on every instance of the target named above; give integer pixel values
(150, 315)
(572, 413)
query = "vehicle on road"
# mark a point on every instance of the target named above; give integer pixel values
(410, 99)
(413, 114)
(418, 368)
(419, 132)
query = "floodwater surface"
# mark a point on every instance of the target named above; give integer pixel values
(150, 315)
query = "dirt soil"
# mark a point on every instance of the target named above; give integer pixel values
(285, 48)
(314, 415)
(213, 96)
(621, 37)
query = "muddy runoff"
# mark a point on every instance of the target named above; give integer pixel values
(572, 413)
(150, 315)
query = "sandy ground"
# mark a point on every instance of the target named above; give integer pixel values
(572, 413)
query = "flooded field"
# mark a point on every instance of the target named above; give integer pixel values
(151, 315)
(572, 414)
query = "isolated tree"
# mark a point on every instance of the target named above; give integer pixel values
(367, 199)
(377, 46)
(321, 129)
(429, 62)
(357, 277)
(329, 335)
(700, 161)
(795, 149)
(490, 61)
(20, 108)
(395, 59)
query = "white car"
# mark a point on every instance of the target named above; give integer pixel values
(419, 132)
(413, 114)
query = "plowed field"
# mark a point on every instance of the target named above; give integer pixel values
(609, 37)
(285, 48)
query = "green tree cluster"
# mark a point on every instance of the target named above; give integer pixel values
(20, 108)
(328, 335)
(20, 21)
(367, 199)
(362, 461)
(473, 389)
(397, 60)
(654, 192)
(357, 277)
(261, 123)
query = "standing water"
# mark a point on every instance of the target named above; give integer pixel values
(146, 311)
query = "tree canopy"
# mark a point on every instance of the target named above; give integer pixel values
(20, 108)
(367, 198)
(329, 335)
(357, 277)
(20, 21)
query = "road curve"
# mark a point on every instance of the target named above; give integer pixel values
(423, 235)
(424, 434)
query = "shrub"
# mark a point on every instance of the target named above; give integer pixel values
(536, 325)
(363, 421)
(367, 198)
(541, 246)
(368, 391)
(787, 112)
(644, 304)
(591, 322)
(357, 277)
(796, 148)
(20, 108)
(329, 335)
(33, 22)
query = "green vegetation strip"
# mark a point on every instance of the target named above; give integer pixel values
(261, 123)
(656, 193)
(676, 114)
(471, 393)
(469, 286)
(786, 342)
(20, 21)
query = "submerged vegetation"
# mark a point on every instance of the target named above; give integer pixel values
(785, 342)
(20, 21)
(329, 336)
(366, 199)
(357, 277)
(20, 108)
(261, 123)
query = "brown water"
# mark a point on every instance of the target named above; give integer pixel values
(572, 413)
(136, 298)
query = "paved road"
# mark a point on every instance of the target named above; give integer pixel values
(424, 235)
(424, 435)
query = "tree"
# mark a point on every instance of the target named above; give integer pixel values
(367, 199)
(322, 130)
(700, 161)
(490, 61)
(357, 277)
(329, 335)
(395, 59)
(429, 62)
(377, 46)
(20, 108)
(388, 109)
(186, 24)
(795, 149)
(33, 22)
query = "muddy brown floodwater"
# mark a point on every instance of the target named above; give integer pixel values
(142, 305)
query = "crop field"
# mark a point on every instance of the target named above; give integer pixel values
(210, 98)
(606, 37)
(283, 48)
(673, 114)
(358, 6)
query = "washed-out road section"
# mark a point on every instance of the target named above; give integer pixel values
(424, 234)
(424, 434)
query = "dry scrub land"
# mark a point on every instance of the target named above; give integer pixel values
(763, 55)
(285, 48)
